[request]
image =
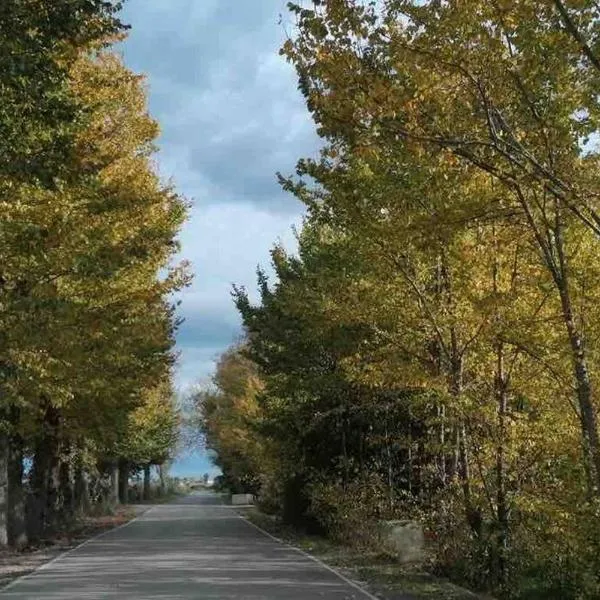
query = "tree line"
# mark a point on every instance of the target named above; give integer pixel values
(432, 349)
(87, 240)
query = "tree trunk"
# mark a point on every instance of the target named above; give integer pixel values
(81, 491)
(552, 247)
(3, 489)
(17, 532)
(123, 481)
(443, 292)
(587, 412)
(45, 485)
(501, 500)
(45, 476)
(36, 517)
(146, 490)
(344, 449)
(501, 382)
(67, 491)
(441, 413)
(409, 479)
(388, 456)
(162, 474)
(54, 509)
(473, 514)
(113, 498)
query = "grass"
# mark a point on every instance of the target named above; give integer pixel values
(379, 572)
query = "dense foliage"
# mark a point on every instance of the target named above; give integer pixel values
(432, 350)
(227, 410)
(87, 237)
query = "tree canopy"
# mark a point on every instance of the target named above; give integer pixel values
(431, 350)
(88, 244)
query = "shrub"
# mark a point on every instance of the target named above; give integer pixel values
(350, 512)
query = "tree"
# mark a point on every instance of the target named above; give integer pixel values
(86, 322)
(507, 92)
(40, 41)
(39, 115)
(229, 414)
(440, 317)
(152, 434)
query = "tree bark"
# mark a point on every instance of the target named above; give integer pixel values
(45, 484)
(3, 489)
(163, 479)
(409, 478)
(502, 511)
(501, 382)
(344, 449)
(388, 456)
(442, 290)
(587, 411)
(67, 491)
(113, 498)
(54, 508)
(552, 247)
(81, 491)
(36, 517)
(472, 513)
(45, 476)
(123, 481)
(17, 528)
(146, 489)
(441, 413)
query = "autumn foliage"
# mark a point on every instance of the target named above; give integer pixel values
(431, 352)
(87, 239)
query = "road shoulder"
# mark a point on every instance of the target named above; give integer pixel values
(15, 564)
(378, 573)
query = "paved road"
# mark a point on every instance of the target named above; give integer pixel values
(194, 549)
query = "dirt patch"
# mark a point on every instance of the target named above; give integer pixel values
(14, 564)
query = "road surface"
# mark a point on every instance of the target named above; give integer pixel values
(193, 549)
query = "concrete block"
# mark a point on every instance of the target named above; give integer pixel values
(242, 499)
(405, 538)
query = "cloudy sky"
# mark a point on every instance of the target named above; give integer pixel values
(231, 116)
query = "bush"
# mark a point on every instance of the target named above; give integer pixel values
(557, 554)
(350, 513)
(296, 504)
(270, 496)
(553, 554)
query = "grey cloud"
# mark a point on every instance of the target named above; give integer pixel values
(230, 116)
(227, 102)
(208, 329)
(246, 167)
(195, 364)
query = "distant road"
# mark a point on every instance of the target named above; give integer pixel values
(193, 549)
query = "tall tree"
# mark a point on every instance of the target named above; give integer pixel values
(229, 414)
(39, 41)
(503, 88)
(86, 320)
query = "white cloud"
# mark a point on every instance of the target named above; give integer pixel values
(230, 116)
(225, 243)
